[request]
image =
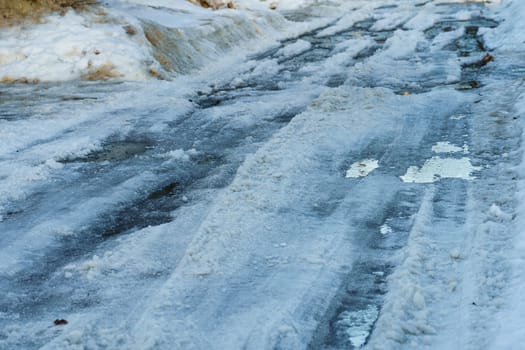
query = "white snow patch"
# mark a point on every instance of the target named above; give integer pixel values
(270, 66)
(458, 117)
(496, 214)
(53, 164)
(424, 19)
(437, 168)
(455, 254)
(392, 20)
(362, 168)
(295, 49)
(447, 147)
(445, 38)
(74, 337)
(402, 43)
(178, 154)
(385, 229)
(418, 299)
(91, 268)
(346, 21)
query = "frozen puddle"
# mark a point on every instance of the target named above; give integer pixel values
(447, 147)
(437, 168)
(362, 168)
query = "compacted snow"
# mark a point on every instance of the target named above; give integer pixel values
(325, 175)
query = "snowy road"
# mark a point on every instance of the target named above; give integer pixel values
(351, 186)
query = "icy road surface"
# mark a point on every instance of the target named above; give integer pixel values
(354, 186)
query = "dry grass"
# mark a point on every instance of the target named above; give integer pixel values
(9, 80)
(166, 48)
(16, 11)
(154, 36)
(214, 4)
(130, 30)
(104, 72)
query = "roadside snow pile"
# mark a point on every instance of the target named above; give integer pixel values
(70, 47)
(508, 36)
(510, 318)
(508, 40)
(130, 40)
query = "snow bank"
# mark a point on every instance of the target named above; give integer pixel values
(508, 42)
(71, 47)
(510, 318)
(508, 36)
(131, 40)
